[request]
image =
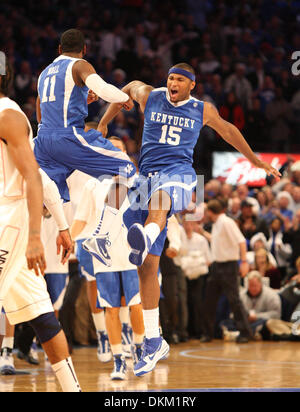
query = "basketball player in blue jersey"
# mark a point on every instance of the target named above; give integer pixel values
(62, 145)
(172, 123)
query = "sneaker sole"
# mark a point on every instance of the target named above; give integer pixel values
(7, 370)
(162, 354)
(137, 241)
(120, 377)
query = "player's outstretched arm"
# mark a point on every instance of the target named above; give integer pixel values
(232, 135)
(84, 73)
(137, 91)
(14, 130)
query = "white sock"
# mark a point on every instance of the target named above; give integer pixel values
(106, 220)
(99, 321)
(111, 220)
(151, 322)
(116, 349)
(153, 231)
(8, 342)
(137, 339)
(124, 314)
(65, 373)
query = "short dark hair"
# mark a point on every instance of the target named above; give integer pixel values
(215, 206)
(72, 40)
(184, 66)
(6, 78)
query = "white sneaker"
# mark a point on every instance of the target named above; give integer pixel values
(97, 246)
(120, 368)
(154, 349)
(7, 366)
(103, 351)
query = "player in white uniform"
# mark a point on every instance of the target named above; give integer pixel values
(118, 285)
(23, 290)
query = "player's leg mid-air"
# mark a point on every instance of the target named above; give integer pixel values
(172, 123)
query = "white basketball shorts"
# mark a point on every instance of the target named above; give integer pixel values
(23, 295)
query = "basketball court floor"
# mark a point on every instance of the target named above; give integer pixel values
(191, 367)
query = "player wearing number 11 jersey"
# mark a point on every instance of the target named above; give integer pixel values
(62, 146)
(173, 120)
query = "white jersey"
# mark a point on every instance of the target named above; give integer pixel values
(90, 210)
(91, 204)
(49, 234)
(12, 184)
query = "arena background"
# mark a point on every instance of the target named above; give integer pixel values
(245, 57)
(136, 39)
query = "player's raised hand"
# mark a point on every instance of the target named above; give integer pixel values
(92, 97)
(64, 245)
(270, 170)
(129, 105)
(35, 255)
(102, 128)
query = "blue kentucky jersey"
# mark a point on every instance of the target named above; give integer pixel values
(63, 104)
(170, 132)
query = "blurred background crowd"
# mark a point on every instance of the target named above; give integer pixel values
(242, 54)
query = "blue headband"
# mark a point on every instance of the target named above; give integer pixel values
(177, 70)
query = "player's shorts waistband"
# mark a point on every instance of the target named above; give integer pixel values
(62, 130)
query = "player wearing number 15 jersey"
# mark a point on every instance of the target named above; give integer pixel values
(173, 120)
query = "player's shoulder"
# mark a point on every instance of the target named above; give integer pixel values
(196, 103)
(10, 112)
(8, 104)
(160, 90)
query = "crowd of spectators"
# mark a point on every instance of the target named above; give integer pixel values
(269, 221)
(242, 55)
(241, 52)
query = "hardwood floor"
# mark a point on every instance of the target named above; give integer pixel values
(190, 366)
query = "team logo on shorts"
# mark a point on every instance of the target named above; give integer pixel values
(128, 169)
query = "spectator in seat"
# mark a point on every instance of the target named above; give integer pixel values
(265, 268)
(261, 304)
(249, 223)
(233, 112)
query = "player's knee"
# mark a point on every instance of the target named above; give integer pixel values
(46, 326)
(113, 312)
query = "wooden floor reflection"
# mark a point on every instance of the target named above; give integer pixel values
(190, 366)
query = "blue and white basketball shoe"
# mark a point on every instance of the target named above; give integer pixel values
(120, 368)
(103, 351)
(139, 243)
(97, 246)
(154, 350)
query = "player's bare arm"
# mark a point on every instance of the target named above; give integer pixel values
(232, 135)
(137, 91)
(85, 74)
(38, 109)
(15, 131)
